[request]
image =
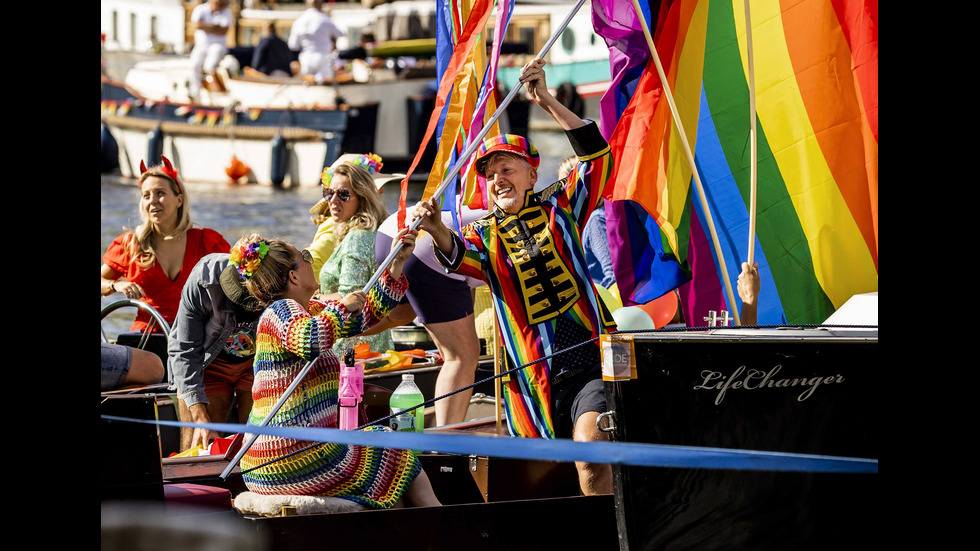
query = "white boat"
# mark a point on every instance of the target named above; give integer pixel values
(281, 147)
(165, 80)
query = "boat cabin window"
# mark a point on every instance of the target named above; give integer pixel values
(568, 40)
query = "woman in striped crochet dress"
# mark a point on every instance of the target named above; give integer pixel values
(297, 326)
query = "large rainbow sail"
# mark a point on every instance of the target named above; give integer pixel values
(816, 82)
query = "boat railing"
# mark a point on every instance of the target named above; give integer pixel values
(157, 319)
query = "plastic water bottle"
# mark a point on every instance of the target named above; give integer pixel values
(405, 396)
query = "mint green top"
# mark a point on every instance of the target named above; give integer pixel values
(348, 269)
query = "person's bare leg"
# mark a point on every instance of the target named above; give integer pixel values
(146, 368)
(219, 407)
(460, 348)
(420, 494)
(244, 406)
(593, 478)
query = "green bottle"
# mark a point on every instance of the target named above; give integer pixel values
(405, 396)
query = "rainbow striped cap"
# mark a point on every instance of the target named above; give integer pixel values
(510, 143)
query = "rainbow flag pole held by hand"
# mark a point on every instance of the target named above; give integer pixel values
(816, 104)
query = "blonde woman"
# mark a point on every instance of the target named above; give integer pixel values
(151, 263)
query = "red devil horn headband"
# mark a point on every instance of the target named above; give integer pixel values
(167, 169)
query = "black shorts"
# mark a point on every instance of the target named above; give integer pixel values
(574, 397)
(435, 297)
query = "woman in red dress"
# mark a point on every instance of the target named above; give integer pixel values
(151, 263)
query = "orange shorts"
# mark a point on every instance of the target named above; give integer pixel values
(223, 378)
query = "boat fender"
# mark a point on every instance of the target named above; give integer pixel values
(154, 146)
(110, 151)
(568, 95)
(279, 160)
(236, 169)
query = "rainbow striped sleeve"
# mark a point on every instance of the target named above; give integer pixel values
(383, 297)
(470, 256)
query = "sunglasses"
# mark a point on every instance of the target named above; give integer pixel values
(307, 256)
(342, 194)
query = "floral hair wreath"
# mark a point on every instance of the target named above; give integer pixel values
(370, 162)
(246, 258)
(167, 169)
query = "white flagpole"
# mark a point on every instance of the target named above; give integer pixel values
(690, 159)
(275, 409)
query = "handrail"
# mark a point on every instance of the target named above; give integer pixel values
(139, 305)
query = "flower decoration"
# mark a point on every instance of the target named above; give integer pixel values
(246, 258)
(370, 162)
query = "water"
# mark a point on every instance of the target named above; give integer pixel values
(235, 211)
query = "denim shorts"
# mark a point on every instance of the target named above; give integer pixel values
(116, 360)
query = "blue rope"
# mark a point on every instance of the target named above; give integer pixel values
(563, 450)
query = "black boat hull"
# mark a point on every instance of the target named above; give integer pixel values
(696, 390)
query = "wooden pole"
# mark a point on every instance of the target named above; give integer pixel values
(497, 387)
(690, 158)
(391, 256)
(754, 146)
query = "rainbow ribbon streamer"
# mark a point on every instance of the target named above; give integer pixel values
(469, 76)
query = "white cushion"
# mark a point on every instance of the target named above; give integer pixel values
(271, 505)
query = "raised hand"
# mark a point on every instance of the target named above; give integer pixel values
(431, 216)
(354, 301)
(533, 78)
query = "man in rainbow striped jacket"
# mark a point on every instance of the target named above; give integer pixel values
(528, 249)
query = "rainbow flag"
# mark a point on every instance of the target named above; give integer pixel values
(465, 98)
(816, 82)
